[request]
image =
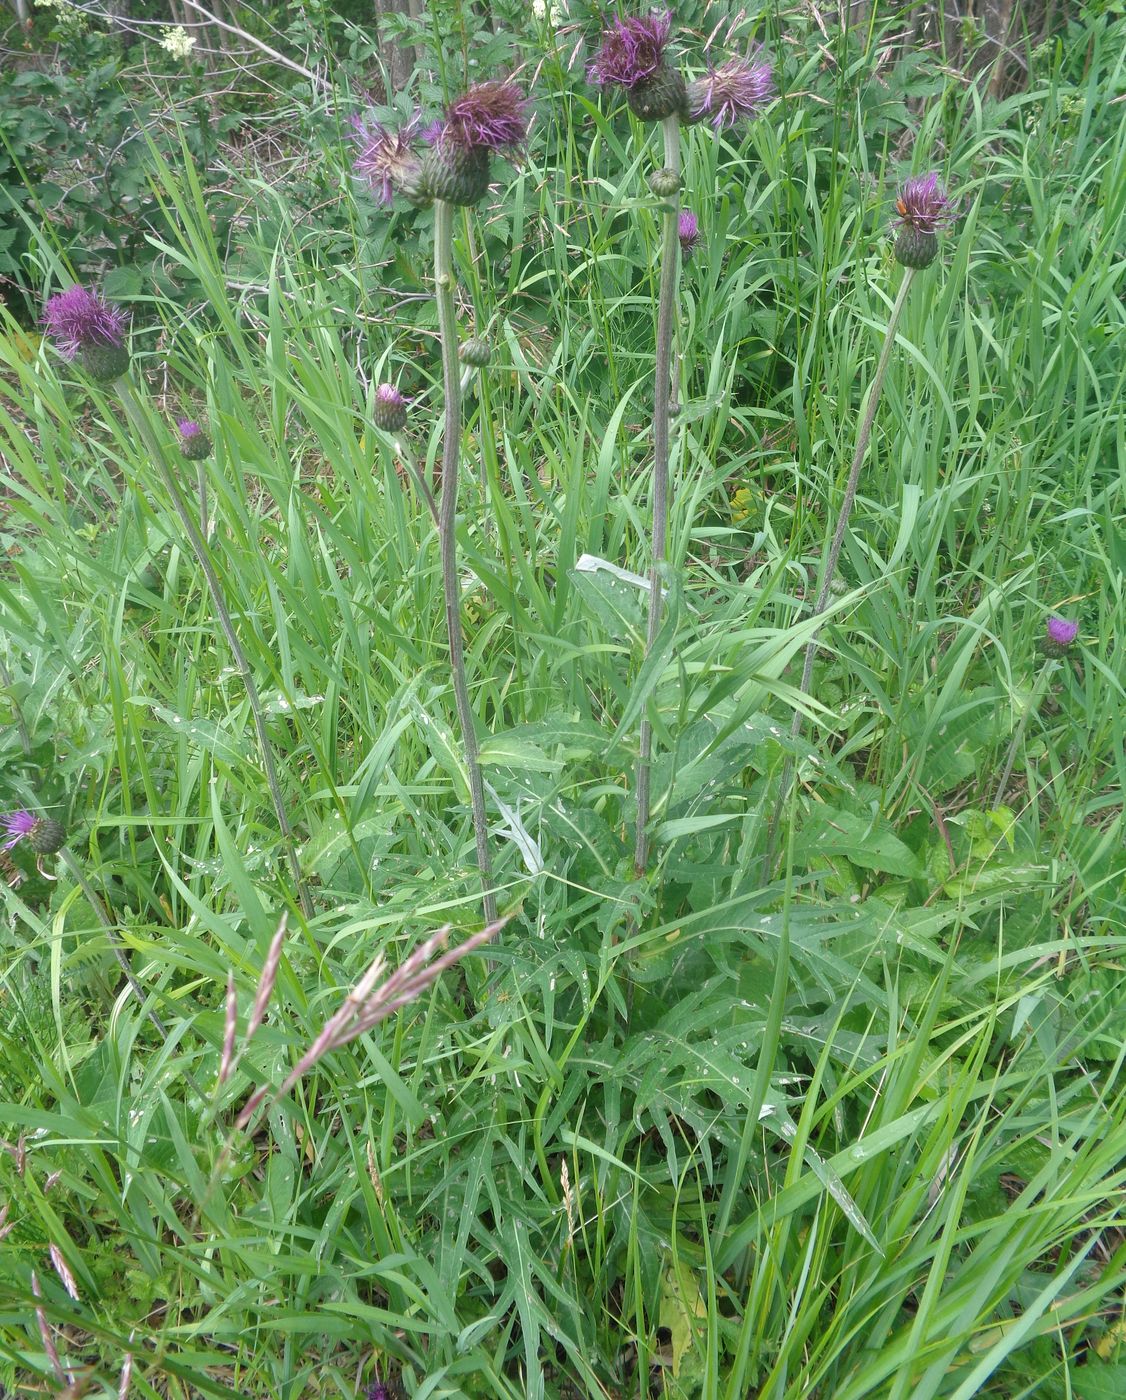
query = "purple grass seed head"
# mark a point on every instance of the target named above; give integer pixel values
(632, 57)
(923, 208)
(87, 328)
(1060, 635)
(736, 89)
(688, 231)
(390, 409)
(389, 161)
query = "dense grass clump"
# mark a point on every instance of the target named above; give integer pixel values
(824, 1095)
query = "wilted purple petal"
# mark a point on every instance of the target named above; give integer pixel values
(386, 158)
(688, 231)
(632, 49)
(490, 116)
(736, 89)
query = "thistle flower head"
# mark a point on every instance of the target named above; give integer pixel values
(488, 116)
(377, 1391)
(194, 442)
(18, 826)
(81, 322)
(688, 231)
(1061, 632)
(632, 50)
(736, 89)
(390, 411)
(44, 835)
(924, 206)
(388, 160)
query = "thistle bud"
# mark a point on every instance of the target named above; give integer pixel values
(916, 249)
(390, 410)
(47, 836)
(475, 352)
(664, 183)
(194, 442)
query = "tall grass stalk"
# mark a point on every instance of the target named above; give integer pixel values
(447, 536)
(830, 567)
(662, 391)
(141, 422)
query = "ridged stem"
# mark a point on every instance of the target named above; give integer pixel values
(662, 387)
(830, 568)
(447, 536)
(139, 418)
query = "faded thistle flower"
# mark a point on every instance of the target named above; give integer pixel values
(736, 89)
(389, 160)
(194, 442)
(390, 410)
(86, 328)
(632, 57)
(924, 208)
(688, 231)
(44, 835)
(488, 119)
(1061, 633)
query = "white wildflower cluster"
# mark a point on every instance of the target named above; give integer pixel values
(553, 14)
(177, 41)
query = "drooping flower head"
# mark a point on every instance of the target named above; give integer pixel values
(632, 57)
(194, 442)
(390, 409)
(924, 208)
(1061, 633)
(688, 231)
(736, 89)
(44, 835)
(389, 160)
(487, 119)
(86, 328)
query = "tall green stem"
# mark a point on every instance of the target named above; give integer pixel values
(830, 567)
(447, 535)
(140, 420)
(666, 314)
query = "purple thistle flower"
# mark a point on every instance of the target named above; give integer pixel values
(387, 159)
(195, 445)
(377, 1391)
(390, 411)
(736, 89)
(923, 205)
(632, 50)
(18, 826)
(1061, 631)
(79, 319)
(688, 231)
(488, 116)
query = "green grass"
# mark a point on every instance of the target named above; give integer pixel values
(857, 1132)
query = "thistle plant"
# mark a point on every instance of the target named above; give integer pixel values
(453, 171)
(90, 331)
(1058, 637)
(633, 56)
(924, 209)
